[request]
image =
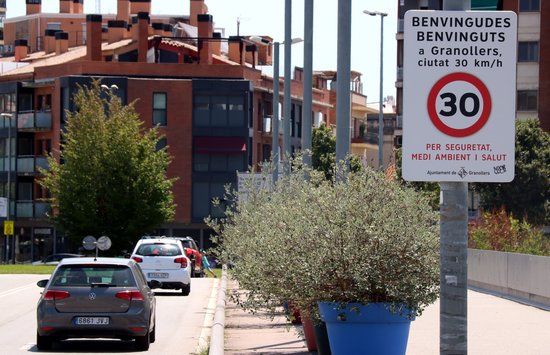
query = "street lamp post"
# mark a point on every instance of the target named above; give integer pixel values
(286, 87)
(275, 120)
(381, 103)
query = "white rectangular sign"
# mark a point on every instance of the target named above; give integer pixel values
(459, 95)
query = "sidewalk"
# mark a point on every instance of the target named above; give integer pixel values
(246, 333)
(496, 326)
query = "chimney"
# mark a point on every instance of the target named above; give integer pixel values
(143, 36)
(252, 54)
(93, 37)
(134, 28)
(78, 6)
(123, 10)
(137, 6)
(65, 6)
(49, 40)
(264, 51)
(21, 49)
(61, 42)
(116, 30)
(205, 35)
(217, 43)
(236, 49)
(198, 7)
(33, 6)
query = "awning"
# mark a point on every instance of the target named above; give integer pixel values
(220, 145)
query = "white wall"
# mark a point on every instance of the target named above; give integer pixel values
(520, 276)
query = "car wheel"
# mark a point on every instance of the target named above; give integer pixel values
(153, 334)
(43, 342)
(186, 289)
(142, 343)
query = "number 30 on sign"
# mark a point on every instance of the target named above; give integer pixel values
(459, 104)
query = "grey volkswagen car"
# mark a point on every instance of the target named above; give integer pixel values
(96, 298)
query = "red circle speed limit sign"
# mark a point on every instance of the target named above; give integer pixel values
(459, 104)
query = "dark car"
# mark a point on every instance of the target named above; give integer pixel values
(54, 259)
(96, 298)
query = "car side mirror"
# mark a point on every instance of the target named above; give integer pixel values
(154, 284)
(42, 283)
(127, 256)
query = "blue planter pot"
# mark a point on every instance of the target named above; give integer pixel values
(373, 329)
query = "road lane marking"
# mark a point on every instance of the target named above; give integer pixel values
(16, 290)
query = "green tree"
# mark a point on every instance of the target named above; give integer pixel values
(528, 195)
(110, 179)
(323, 146)
(430, 189)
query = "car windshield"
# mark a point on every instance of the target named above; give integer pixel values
(85, 275)
(158, 249)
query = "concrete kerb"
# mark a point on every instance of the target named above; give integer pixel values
(217, 344)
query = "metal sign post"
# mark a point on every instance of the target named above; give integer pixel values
(458, 127)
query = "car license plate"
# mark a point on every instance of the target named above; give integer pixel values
(91, 320)
(158, 275)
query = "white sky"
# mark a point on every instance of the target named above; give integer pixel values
(266, 17)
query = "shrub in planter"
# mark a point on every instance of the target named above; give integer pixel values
(365, 239)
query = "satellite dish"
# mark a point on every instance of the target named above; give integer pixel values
(89, 242)
(104, 243)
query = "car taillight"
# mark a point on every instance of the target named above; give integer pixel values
(130, 295)
(56, 295)
(181, 261)
(137, 259)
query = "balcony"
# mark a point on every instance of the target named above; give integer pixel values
(29, 164)
(32, 209)
(34, 121)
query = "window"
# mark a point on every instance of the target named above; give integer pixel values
(44, 102)
(159, 108)
(529, 5)
(5, 154)
(24, 191)
(161, 144)
(204, 194)
(528, 51)
(219, 163)
(527, 100)
(25, 103)
(219, 111)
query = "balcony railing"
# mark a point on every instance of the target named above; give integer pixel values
(34, 121)
(29, 164)
(32, 209)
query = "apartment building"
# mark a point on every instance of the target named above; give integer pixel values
(206, 93)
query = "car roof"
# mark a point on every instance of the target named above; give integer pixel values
(158, 240)
(99, 261)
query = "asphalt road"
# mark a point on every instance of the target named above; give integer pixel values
(182, 321)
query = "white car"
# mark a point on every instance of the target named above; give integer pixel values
(164, 260)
